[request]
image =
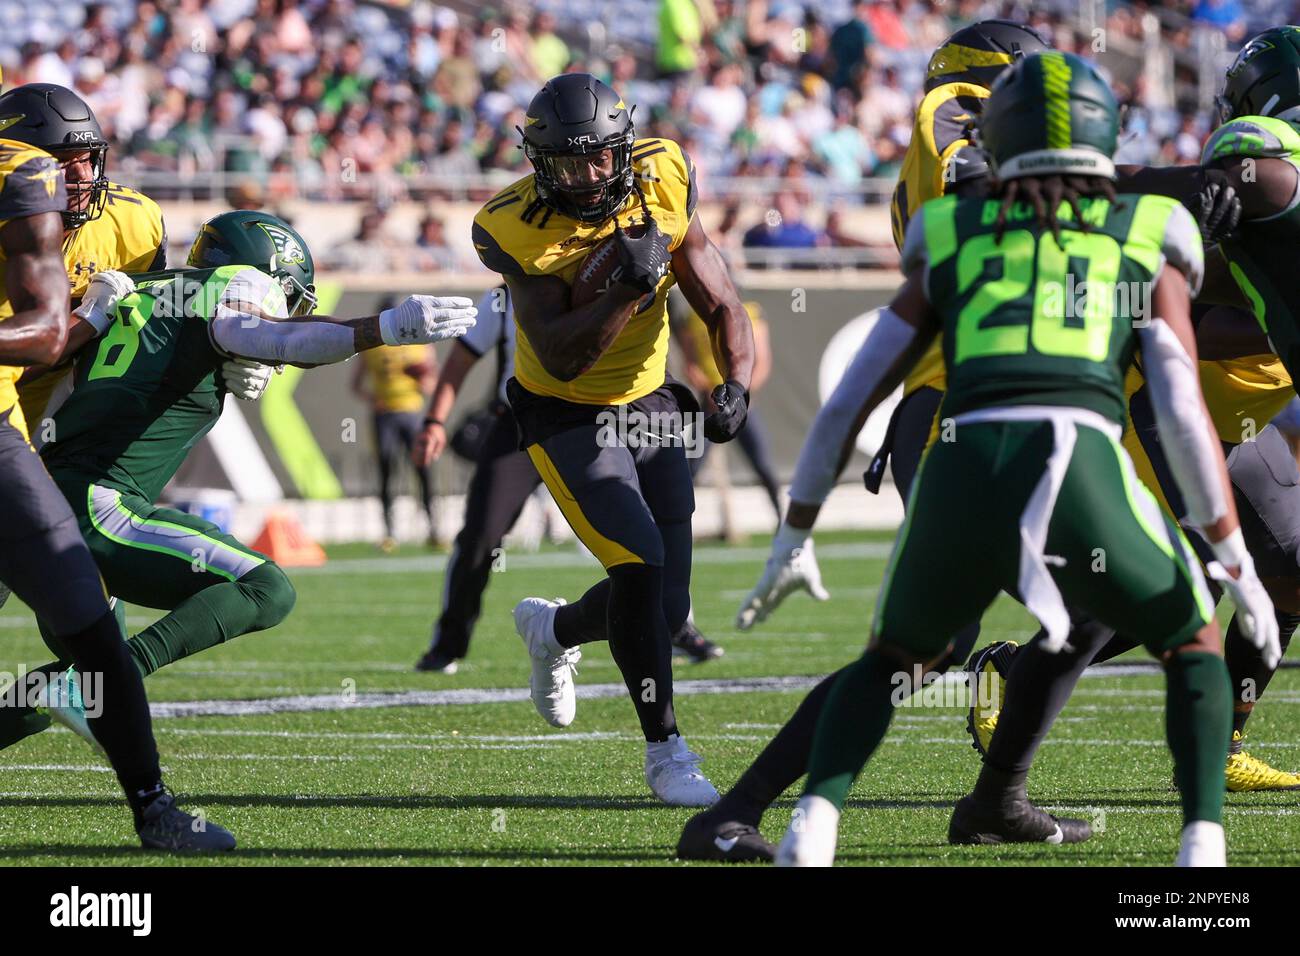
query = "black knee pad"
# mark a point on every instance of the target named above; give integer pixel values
(271, 591)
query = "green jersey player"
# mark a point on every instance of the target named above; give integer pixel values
(1034, 485)
(148, 385)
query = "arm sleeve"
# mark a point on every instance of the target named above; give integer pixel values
(1185, 435)
(819, 459)
(1182, 247)
(278, 343)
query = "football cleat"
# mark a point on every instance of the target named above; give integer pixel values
(812, 835)
(436, 662)
(705, 837)
(551, 682)
(167, 827)
(689, 642)
(975, 823)
(68, 708)
(1245, 773)
(986, 672)
(673, 773)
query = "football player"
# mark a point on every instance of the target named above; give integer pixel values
(107, 226)
(940, 158)
(577, 369)
(1256, 152)
(148, 386)
(1037, 478)
(42, 557)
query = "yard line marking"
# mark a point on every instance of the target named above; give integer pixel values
(878, 550)
(304, 703)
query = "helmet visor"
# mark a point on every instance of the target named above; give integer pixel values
(584, 177)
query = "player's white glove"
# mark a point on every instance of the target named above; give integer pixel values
(246, 379)
(1254, 607)
(106, 289)
(427, 318)
(791, 567)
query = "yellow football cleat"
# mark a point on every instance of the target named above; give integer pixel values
(1245, 773)
(987, 670)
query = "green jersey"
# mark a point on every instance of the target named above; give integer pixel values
(1262, 254)
(150, 387)
(1030, 321)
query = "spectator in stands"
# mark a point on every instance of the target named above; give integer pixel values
(433, 251)
(783, 227)
(550, 53)
(851, 44)
(843, 151)
(681, 29)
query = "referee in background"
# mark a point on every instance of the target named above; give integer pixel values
(503, 479)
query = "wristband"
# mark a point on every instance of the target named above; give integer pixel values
(788, 540)
(1231, 550)
(92, 312)
(434, 421)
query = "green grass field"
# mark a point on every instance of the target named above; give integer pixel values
(439, 781)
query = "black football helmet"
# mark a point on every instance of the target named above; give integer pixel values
(980, 52)
(58, 121)
(576, 115)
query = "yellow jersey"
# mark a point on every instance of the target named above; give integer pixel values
(1242, 396)
(515, 233)
(394, 389)
(31, 183)
(128, 237)
(942, 126)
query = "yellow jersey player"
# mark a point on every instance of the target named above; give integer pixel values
(42, 555)
(598, 414)
(106, 226)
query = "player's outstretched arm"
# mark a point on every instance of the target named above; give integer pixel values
(36, 283)
(244, 330)
(903, 331)
(703, 277)
(1169, 356)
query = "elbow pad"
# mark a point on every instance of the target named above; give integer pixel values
(819, 460)
(278, 343)
(1186, 438)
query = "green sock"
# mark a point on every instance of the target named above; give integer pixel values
(1198, 726)
(852, 724)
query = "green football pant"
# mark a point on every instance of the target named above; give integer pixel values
(978, 522)
(214, 587)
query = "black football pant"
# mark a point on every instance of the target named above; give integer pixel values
(395, 434)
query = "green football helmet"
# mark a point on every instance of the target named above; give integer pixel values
(1051, 113)
(251, 238)
(1264, 79)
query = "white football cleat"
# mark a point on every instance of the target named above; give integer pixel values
(1202, 845)
(673, 773)
(810, 840)
(68, 708)
(551, 683)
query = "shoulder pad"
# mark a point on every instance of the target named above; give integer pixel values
(1253, 136)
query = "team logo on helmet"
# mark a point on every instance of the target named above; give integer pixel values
(7, 121)
(1247, 53)
(287, 248)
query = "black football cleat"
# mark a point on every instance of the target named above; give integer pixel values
(435, 661)
(975, 823)
(705, 837)
(168, 827)
(689, 642)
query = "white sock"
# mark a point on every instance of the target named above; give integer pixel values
(548, 635)
(1203, 844)
(658, 749)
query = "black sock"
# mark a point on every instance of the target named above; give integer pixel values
(1036, 689)
(587, 619)
(780, 765)
(122, 726)
(639, 642)
(1246, 668)
(1117, 645)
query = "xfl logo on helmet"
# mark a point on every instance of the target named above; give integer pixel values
(582, 140)
(81, 136)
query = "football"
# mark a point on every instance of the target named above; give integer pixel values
(596, 273)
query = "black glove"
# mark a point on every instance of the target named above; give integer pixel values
(733, 408)
(641, 262)
(1216, 207)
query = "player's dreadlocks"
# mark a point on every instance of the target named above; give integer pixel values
(1045, 194)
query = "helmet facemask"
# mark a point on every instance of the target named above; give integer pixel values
(95, 189)
(558, 178)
